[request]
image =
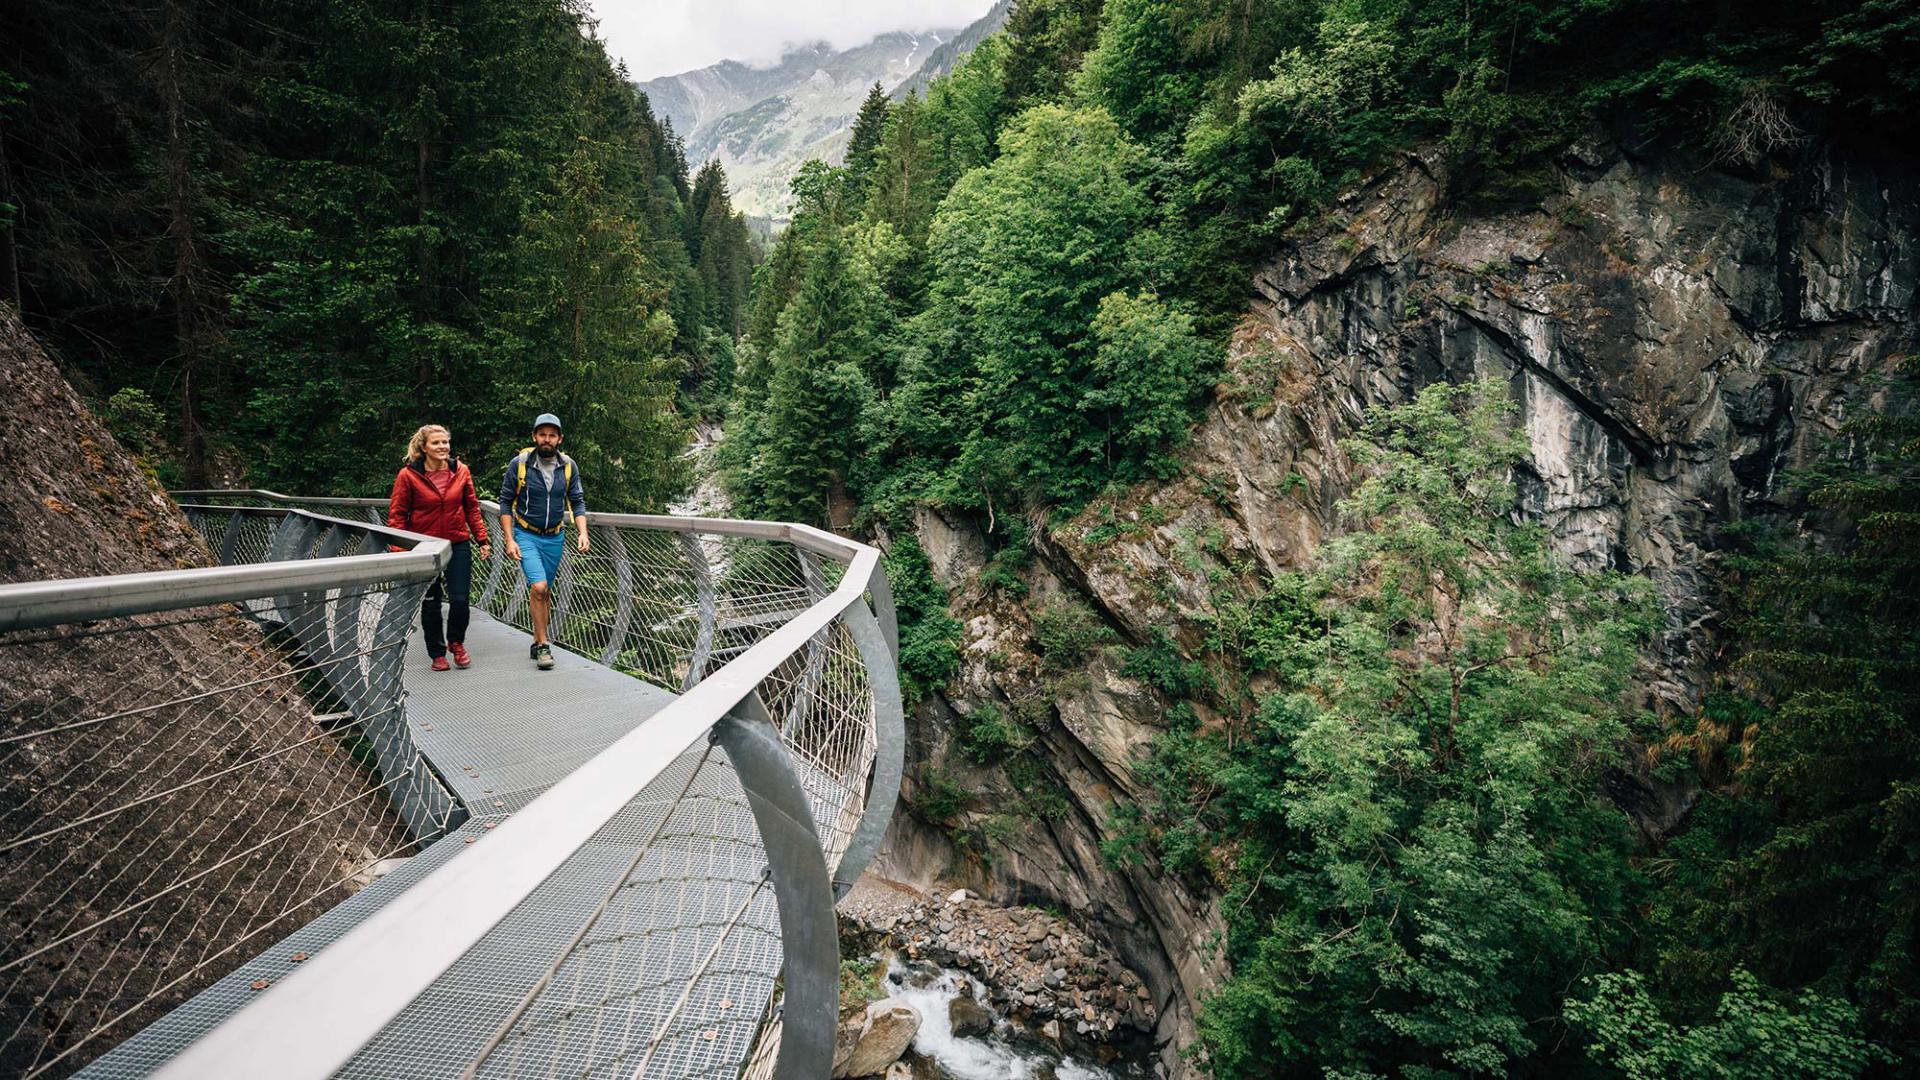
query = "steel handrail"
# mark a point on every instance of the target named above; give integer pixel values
(34, 604)
(313, 1021)
(805, 537)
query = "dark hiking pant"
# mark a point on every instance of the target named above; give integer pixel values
(456, 583)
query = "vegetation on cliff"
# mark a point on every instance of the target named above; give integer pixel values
(286, 233)
(1390, 764)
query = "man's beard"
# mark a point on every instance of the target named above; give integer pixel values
(546, 451)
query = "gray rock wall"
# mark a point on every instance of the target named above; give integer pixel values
(1676, 340)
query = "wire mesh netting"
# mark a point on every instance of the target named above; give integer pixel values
(183, 788)
(655, 949)
(674, 973)
(671, 970)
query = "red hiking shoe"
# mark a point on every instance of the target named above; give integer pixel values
(458, 651)
(439, 663)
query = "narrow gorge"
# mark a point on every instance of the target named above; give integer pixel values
(1676, 338)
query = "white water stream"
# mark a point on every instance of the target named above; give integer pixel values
(1001, 1055)
(706, 498)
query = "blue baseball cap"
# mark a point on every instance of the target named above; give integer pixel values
(544, 419)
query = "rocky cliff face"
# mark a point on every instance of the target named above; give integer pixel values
(1675, 340)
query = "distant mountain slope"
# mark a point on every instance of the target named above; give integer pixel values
(763, 123)
(950, 52)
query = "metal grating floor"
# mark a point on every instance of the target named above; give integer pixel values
(501, 733)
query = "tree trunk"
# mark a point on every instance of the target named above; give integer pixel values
(191, 317)
(9, 248)
(426, 256)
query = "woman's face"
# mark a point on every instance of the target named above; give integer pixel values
(439, 445)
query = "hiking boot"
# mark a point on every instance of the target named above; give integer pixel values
(461, 659)
(439, 663)
(543, 657)
(533, 652)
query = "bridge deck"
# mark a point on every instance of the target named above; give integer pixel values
(676, 971)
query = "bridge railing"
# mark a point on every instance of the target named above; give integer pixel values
(780, 641)
(195, 763)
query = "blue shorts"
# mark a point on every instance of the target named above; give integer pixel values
(539, 555)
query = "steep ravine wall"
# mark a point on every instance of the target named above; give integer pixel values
(1675, 338)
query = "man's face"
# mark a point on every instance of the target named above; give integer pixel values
(546, 439)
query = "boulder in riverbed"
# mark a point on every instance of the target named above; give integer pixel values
(870, 1041)
(968, 1017)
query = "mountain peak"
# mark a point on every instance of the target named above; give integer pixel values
(763, 122)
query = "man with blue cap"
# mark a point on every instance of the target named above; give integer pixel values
(539, 492)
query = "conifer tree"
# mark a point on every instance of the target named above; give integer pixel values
(868, 126)
(717, 243)
(1833, 892)
(905, 184)
(590, 321)
(817, 388)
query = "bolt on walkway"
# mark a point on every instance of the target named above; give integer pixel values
(649, 942)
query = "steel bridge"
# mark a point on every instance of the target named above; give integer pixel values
(248, 831)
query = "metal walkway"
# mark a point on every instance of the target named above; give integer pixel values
(632, 923)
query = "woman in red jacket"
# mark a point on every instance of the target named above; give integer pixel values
(434, 495)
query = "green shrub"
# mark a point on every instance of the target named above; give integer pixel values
(1754, 1034)
(987, 735)
(940, 798)
(1069, 633)
(860, 983)
(929, 637)
(1160, 665)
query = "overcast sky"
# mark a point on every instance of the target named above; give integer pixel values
(666, 37)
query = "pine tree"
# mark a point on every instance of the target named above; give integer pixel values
(868, 126)
(817, 389)
(1046, 40)
(718, 244)
(591, 325)
(1833, 892)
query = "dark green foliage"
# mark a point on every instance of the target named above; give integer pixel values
(809, 426)
(989, 737)
(1046, 40)
(1419, 863)
(1006, 564)
(1137, 72)
(868, 126)
(1753, 1035)
(1395, 781)
(929, 637)
(1014, 370)
(1831, 891)
(1160, 665)
(340, 219)
(1068, 634)
(723, 258)
(861, 983)
(1177, 823)
(940, 797)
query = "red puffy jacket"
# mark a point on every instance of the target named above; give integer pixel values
(416, 505)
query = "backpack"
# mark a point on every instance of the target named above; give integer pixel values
(520, 485)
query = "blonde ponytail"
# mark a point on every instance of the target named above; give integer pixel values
(417, 446)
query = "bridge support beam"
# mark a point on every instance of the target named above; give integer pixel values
(890, 741)
(801, 888)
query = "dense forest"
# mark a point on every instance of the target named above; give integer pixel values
(273, 238)
(1010, 301)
